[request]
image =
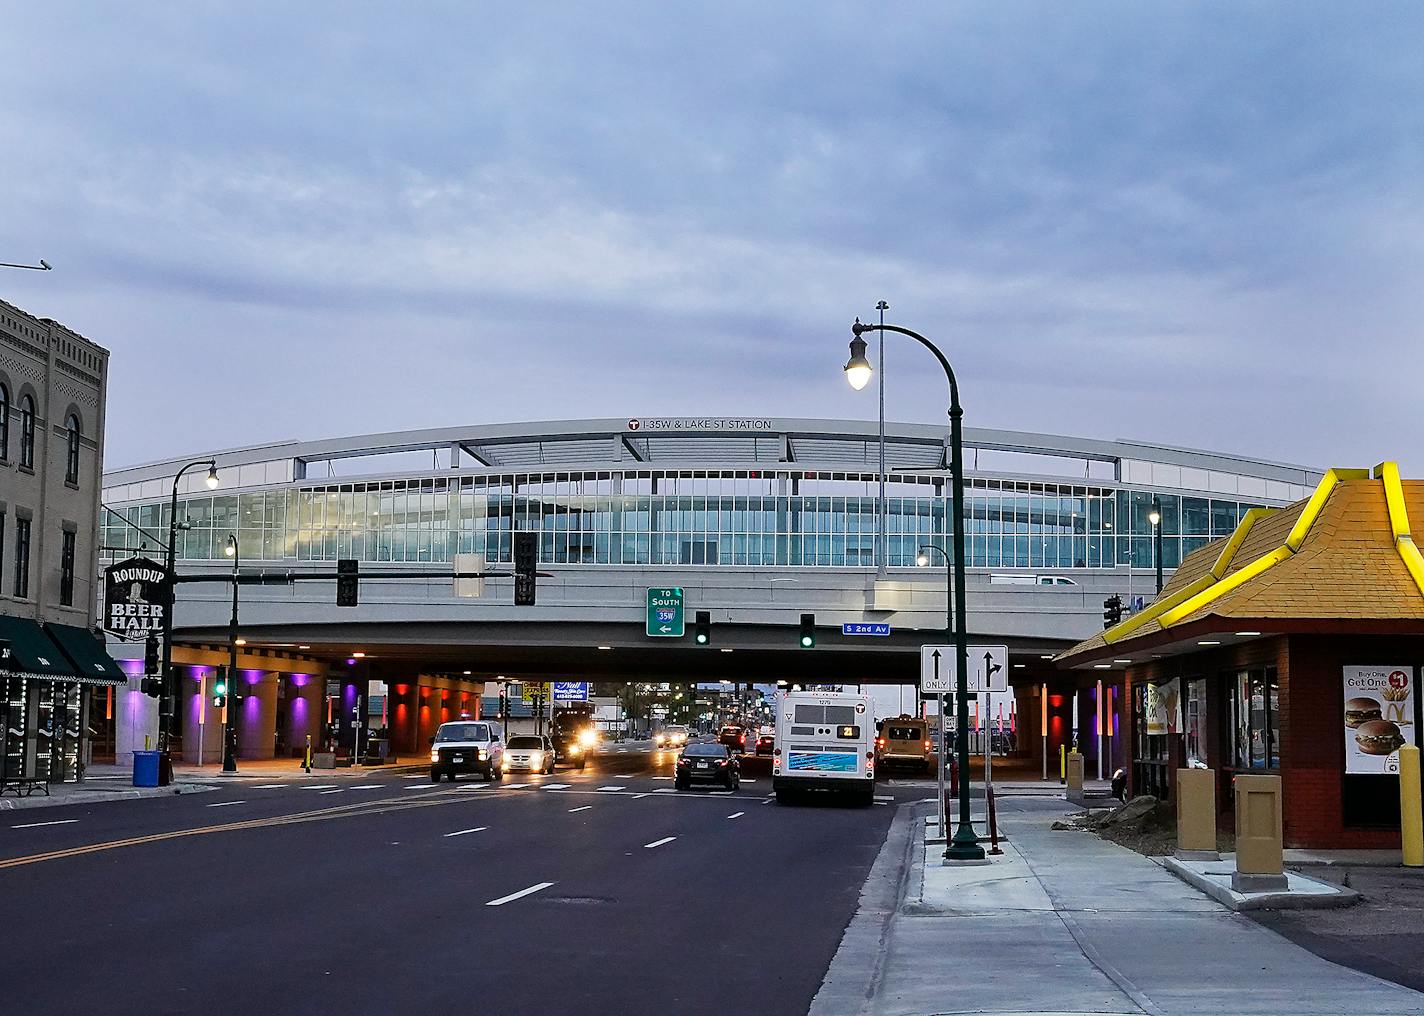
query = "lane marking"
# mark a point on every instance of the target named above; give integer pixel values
(662, 777)
(462, 832)
(622, 776)
(319, 786)
(338, 790)
(517, 786)
(268, 786)
(609, 788)
(636, 796)
(414, 786)
(665, 790)
(583, 808)
(369, 786)
(557, 786)
(224, 804)
(414, 776)
(658, 843)
(36, 825)
(536, 887)
(745, 780)
(736, 814)
(879, 797)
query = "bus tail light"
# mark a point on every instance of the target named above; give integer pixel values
(927, 746)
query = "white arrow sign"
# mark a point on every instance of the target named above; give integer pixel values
(988, 669)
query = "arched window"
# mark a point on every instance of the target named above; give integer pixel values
(71, 462)
(27, 432)
(4, 423)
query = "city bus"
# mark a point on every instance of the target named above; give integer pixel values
(825, 741)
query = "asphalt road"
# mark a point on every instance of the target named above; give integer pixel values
(591, 892)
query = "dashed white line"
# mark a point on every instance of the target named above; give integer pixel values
(736, 814)
(636, 796)
(536, 887)
(414, 776)
(887, 800)
(557, 786)
(414, 786)
(745, 780)
(36, 825)
(462, 832)
(517, 786)
(665, 790)
(659, 843)
(224, 804)
(368, 786)
(622, 776)
(338, 790)
(319, 786)
(610, 788)
(584, 808)
(268, 786)
(662, 777)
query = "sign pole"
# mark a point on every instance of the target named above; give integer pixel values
(939, 763)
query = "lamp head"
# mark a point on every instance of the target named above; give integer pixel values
(857, 368)
(1154, 517)
(212, 480)
(231, 549)
(922, 559)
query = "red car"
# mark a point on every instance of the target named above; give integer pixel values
(734, 737)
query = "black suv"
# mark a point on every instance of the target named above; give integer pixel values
(707, 763)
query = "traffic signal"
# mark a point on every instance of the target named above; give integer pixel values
(702, 627)
(150, 656)
(526, 560)
(503, 703)
(220, 687)
(1112, 611)
(808, 631)
(151, 686)
(348, 582)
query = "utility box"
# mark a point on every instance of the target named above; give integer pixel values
(1075, 777)
(1196, 815)
(1260, 859)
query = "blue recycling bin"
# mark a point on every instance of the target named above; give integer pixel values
(145, 773)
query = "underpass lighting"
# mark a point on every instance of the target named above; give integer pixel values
(605, 647)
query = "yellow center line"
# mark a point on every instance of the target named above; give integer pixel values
(319, 815)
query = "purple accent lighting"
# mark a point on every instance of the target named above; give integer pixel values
(133, 668)
(300, 680)
(351, 661)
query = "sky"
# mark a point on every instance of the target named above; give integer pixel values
(1197, 224)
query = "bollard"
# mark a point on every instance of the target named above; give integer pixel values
(1411, 824)
(1196, 815)
(1260, 859)
(993, 820)
(1062, 763)
(954, 777)
(307, 758)
(1074, 777)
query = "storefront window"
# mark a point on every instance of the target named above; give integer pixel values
(1194, 719)
(1255, 719)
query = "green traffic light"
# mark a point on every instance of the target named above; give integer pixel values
(702, 638)
(807, 641)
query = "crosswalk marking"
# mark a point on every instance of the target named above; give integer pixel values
(557, 786)
(611, 788)
(659, 843)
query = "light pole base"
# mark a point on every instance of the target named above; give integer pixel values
(964, 848)
(972, 862)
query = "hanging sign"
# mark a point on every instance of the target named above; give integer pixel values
(1379, 717)
(138, 594)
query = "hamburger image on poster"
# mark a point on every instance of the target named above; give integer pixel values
(1379, 717)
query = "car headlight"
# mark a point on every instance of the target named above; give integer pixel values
(588, 738)
(575, 748)
(435, 754)
(536, 759)
(479, 753)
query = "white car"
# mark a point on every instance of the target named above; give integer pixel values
(672, 738)
(530, 753)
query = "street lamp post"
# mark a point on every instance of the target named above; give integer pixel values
(1156, 519)
(170, 688)
(965, 845)
(43, 266)
(229, 758)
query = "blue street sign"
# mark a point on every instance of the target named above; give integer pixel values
(570, 691)
(866, 628)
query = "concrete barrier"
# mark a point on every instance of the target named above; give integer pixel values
(1075, 777)
(1196, 815)
(1260, 857)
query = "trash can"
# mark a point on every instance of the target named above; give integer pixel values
(145, 771)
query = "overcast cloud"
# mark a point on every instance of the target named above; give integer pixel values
(1199, 224)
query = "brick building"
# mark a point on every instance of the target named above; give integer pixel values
(1293, 647)
(56, 681)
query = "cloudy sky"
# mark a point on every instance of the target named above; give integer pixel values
(1198, 224)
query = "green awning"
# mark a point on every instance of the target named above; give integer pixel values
(92, 662)
(33, 654)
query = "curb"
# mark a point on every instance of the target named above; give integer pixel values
(854, 974)
(1238, 902)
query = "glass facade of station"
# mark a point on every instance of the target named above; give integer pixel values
(772, 517)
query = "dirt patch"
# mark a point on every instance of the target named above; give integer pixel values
(1144, 824)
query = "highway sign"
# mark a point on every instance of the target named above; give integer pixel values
(570, 691)
(665, 613)
(988, 669)
(865, 628)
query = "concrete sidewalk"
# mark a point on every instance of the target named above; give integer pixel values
(1064, 922)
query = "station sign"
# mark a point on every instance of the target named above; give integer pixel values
(665, 613)
(988, 669)
(881, 628)
(138, 594)
(570, 691)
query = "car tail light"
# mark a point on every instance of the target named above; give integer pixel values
(721, 761)
(927, 746)
(880, 742)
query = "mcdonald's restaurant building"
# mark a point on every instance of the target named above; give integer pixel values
(1291, 648)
